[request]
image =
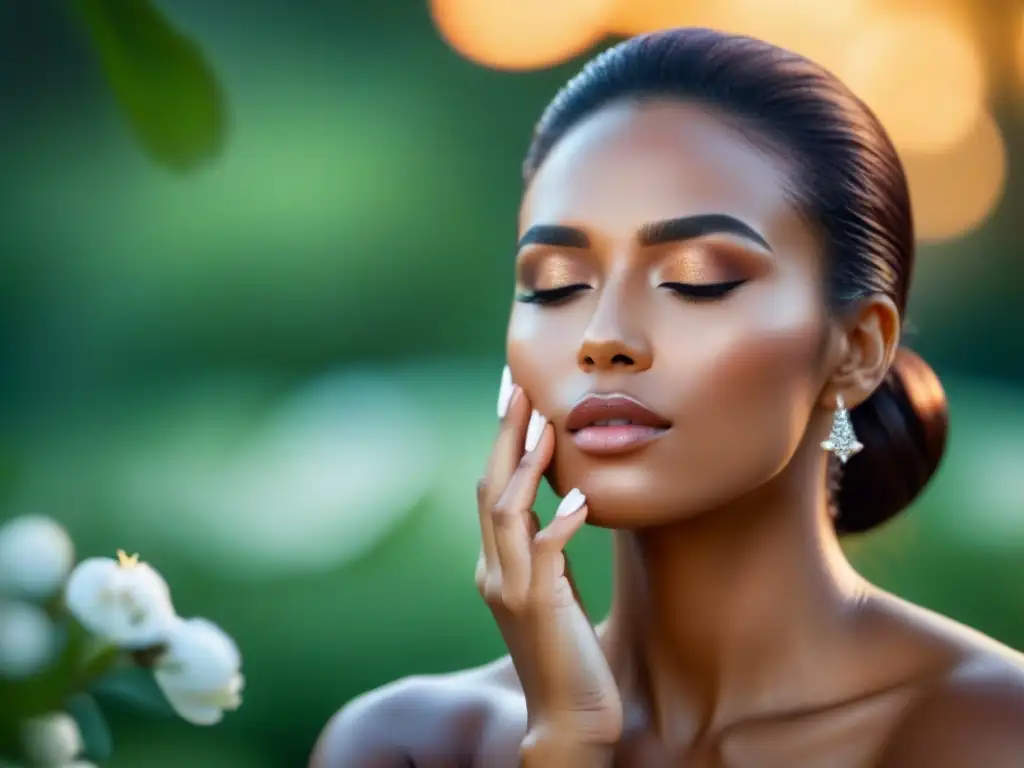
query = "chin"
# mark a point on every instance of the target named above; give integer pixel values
(632, 496)
(625, 497)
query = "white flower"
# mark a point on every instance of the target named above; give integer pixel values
(123, 601)
(27, 640)
(52, 740)
(36, 554)
(200, 673)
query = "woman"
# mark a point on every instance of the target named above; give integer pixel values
(715, 248)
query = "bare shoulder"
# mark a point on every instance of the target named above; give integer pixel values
(427, 720)
(975, 716)
(973, 713)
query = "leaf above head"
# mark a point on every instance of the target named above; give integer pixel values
(160, 79)
(99, 744)
(136, 688)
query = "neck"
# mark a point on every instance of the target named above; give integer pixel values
(724, 612)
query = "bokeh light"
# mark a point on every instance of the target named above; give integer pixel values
(985, 468)
(954, 191)
(634, 17)
(817, 30)
(921, 74)
(28, 641)
(306, 487)
(1020, 48)
(521, 35)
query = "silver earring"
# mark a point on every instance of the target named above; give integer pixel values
(841, 440)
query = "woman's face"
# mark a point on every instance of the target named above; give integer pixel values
(699, 294)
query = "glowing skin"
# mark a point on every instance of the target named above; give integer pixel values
(737, 376)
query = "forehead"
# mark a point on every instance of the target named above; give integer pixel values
(631, 163)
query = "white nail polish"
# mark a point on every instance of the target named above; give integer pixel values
(573, 500)
(504, 392)
(535, 430)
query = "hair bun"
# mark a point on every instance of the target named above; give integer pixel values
(903, 427)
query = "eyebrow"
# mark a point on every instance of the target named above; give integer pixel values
(690, 227)
(656, 233)
(557, 235)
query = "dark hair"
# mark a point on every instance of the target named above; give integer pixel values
(850, 183)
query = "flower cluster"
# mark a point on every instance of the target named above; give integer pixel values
(72, 634)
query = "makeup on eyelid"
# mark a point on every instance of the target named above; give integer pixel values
(551, 272)
(555, 271)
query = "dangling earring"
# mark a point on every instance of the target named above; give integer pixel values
(841, 440)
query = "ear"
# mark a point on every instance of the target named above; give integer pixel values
(867, 338)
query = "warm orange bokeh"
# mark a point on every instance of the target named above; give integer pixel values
(815, 29)
(634, 17)
(818, 30)
(955, 190)
(521, 34)
(1020, 47)
(922, 75)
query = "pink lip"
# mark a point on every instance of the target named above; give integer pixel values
(646, 425)
(606, 441)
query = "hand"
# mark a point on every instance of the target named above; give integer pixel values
(523, 576)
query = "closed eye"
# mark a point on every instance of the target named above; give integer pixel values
(703, 291)
(551, 296)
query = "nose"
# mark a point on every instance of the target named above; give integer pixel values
(612, 340)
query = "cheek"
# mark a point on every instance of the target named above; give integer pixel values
(751, 380)
(541, 353)
(746, 384)
(757, 355)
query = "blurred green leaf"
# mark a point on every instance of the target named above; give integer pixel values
(135, 687)
(160, 79)
(99, 745)
(96, 661)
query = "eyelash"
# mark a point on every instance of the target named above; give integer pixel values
(704, 291)
(552, 296)
(691, 292)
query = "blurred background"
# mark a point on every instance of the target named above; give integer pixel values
(254, 331)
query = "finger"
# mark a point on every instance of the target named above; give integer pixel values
(535, 527)
(550, 585)
(513, 521)
(567, 574)
(489, 487)
(533, 524)
(488, 549)
(508, 446)
(559, 620)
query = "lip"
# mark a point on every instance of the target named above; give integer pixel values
(646, 425)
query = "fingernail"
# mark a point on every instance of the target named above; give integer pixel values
(505, 390)
(573, 500)
(535, 430)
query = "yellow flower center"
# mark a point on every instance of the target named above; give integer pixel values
(127, 561)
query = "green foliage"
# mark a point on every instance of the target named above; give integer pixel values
(95, 661)
(160, 79)
(99, 745)
(135, 687)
